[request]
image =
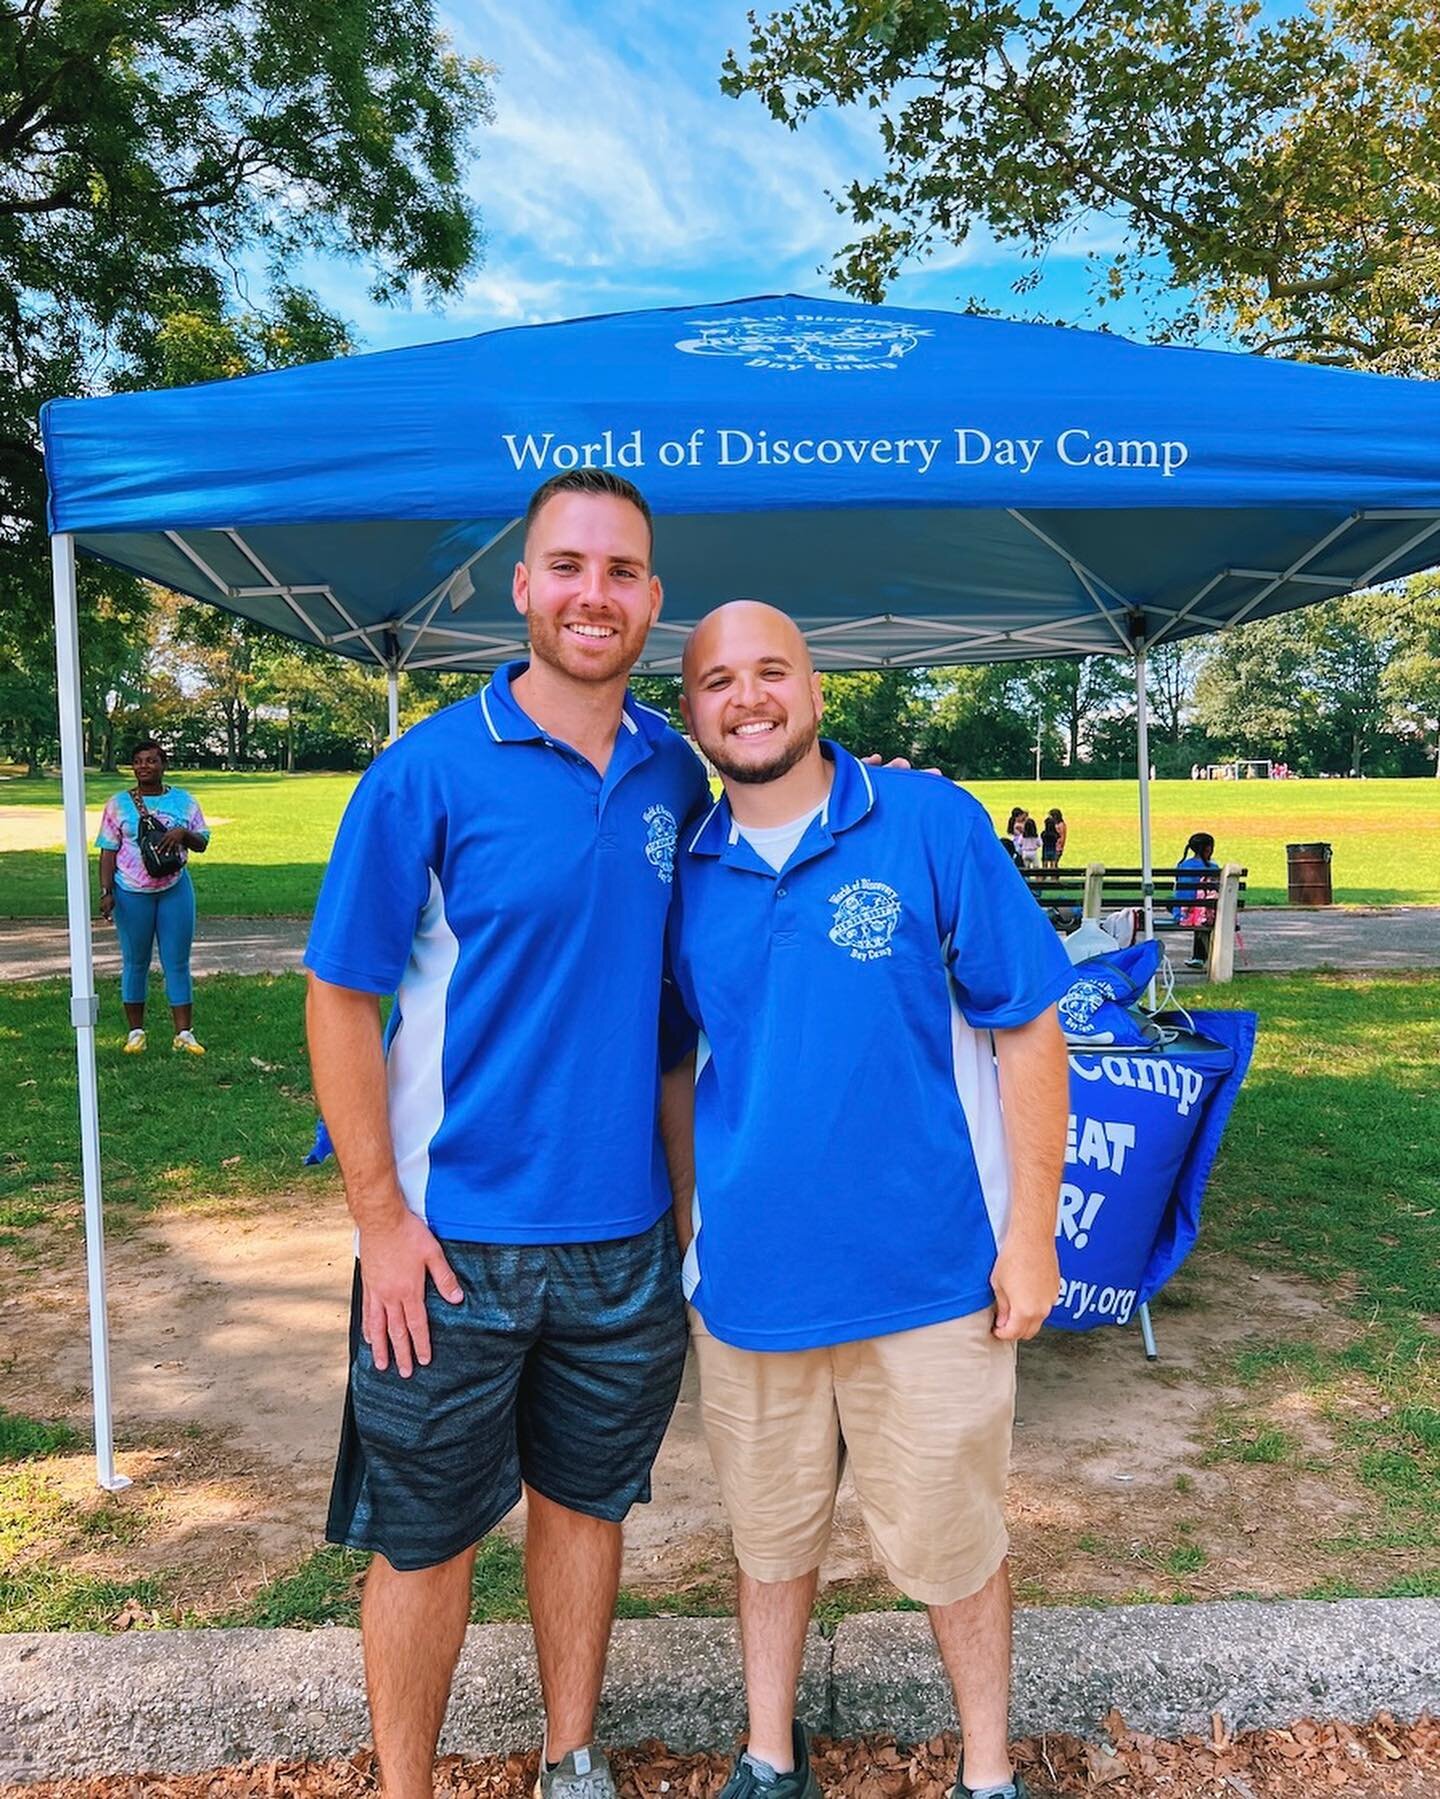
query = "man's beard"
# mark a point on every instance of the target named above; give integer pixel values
(756, 774)
(549, 644)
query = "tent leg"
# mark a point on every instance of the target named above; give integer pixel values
(84, 1007)
(1142, 733)
(392, 695)
(1147, 1335)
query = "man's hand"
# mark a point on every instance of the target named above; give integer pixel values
(873, 761)
(1027, 1284)
(394, 1261)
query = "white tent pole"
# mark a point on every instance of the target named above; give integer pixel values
(84, 1007)
(392, 695)
(1142, 733)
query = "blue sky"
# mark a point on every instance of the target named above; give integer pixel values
(616, 175)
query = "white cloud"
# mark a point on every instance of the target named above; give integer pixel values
(615, 161)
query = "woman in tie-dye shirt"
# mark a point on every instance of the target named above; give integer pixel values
(145, 907)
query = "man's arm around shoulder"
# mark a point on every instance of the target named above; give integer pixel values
(397, 1250)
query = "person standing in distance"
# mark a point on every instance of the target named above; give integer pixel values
(505, 870)
(147, 908)
(872, 1231)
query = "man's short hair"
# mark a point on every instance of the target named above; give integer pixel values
(149, 743)
(590, 480)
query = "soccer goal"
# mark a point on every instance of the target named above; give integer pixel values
(1251, 769)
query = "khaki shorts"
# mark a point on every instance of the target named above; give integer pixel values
(924, 1417)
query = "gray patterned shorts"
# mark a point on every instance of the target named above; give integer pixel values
(560, 1368)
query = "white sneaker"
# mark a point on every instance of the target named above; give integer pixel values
(135, 1043)
(186, 1040)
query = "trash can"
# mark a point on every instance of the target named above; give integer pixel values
(1308, 866)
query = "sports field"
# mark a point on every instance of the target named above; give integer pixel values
(272, 834)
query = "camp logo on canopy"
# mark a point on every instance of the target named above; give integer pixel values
(660, 843)
(818, 341)
(866, 914)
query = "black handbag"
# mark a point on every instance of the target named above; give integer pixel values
(158, 863)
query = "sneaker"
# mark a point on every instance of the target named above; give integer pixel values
(1013, 1788)
(186, 1040)
(754, 1779)
(582, 1774)
(135, 1043)
(1195, 962)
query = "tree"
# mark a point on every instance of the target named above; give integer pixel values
(1274, 176)
(974, 722)
(1072, 697)
(872, 712)
(1253, 692)
(1352, 642)
(1170, 681)
(1411, 682)
(158, 158)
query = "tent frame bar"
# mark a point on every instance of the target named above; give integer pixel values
(84, 1005)
(438, 592)
(1088, 579)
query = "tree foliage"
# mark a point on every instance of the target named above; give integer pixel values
(1353, 683)
(164, 167)
(1279, 167)
(874, 712)
(1327, 687)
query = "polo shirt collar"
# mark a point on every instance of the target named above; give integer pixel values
(852, 796)
(508, 722)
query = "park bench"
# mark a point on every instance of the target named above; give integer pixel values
(1069, 895)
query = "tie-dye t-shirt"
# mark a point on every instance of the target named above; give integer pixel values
(120, 831)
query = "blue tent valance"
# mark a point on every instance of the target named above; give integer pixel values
(914, 486)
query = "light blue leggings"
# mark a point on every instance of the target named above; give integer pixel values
(142, 917)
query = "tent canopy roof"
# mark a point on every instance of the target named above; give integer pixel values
(917, 487)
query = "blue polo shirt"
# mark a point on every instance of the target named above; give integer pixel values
(515, 904)
(851, 1169)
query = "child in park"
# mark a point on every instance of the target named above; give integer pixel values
(1195, 896)
(1050, 846)
(1029, 843)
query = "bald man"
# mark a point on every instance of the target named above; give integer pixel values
(870, 1234)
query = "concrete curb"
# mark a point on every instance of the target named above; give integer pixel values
(181, 1701)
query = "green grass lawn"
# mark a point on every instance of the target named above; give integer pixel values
(271, 839)
(174, 1129)
(1386, 833)
(1331, 1168)
(272, 834)
(1330, 1171)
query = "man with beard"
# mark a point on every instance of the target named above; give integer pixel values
(871, 1234)
(505, 871)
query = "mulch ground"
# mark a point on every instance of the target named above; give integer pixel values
(1372, 1761)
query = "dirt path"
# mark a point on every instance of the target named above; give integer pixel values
(228, 1372)
(1276, 941)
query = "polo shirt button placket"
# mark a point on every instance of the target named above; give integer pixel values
(783, 937)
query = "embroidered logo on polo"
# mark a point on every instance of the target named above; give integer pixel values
(866, 914)
(660, 843)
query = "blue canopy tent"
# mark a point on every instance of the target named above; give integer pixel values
(916, 488)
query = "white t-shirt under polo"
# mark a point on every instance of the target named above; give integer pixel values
(775, 844)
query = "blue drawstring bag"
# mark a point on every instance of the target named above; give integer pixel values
(322, 1148)
(1124, 973)
(1093, 1008)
